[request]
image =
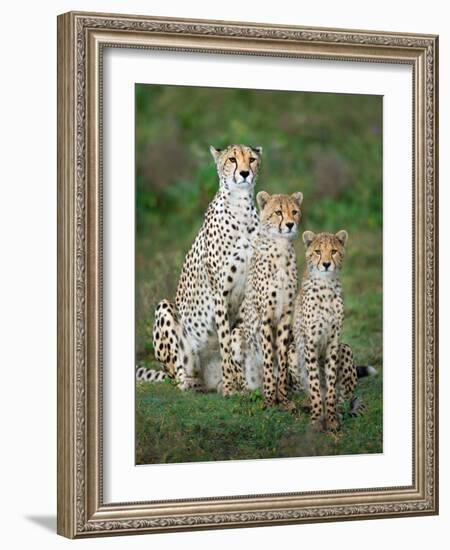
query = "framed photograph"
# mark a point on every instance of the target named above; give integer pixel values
(247, 285)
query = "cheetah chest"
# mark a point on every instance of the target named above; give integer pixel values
(323, 314)
(282, 283)
(236, 272)
(281, 289)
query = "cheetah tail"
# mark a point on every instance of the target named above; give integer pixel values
(357, 407)
(150, 375)
(366, 370)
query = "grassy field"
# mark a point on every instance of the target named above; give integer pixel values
(192, 427)
(326, 145)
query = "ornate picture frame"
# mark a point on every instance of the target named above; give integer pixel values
(82, 38)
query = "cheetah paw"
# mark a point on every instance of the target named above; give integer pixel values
(317, 425)
(288, 406)
(228, 392)
(191, 384)
(305, 405)
(332, 424)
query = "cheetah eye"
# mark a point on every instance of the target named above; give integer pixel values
(278, 212)
(294, 212)
(333, 251)
(252, 159)
(232, 159)
(317, 252)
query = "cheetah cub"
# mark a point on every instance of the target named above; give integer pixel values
(321, 360)
(259, 342)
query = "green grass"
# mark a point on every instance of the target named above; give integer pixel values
(177, 427)
(326, 145)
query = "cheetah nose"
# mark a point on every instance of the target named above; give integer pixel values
(244, 173)
(290, 225)
(326, 265)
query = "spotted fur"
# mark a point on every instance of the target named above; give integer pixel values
(144, 374)
(321, 363)
(191, 337)
(259, 342)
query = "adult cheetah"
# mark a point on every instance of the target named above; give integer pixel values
(191, 337)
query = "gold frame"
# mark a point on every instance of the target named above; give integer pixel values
(81, 38)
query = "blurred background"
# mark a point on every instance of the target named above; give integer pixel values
(329, 146)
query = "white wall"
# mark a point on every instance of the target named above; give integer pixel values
(28, 268)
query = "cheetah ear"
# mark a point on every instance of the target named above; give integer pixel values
(342, 237)
(215, 152)
(258, 149)
(308, 237)
(261, 198)
(298, 197)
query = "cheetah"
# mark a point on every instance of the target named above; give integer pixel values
(259, 342)
(298, 375)
(322, 363)
(191, 337)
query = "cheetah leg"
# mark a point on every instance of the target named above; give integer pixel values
(282, 341)
(298, 376)
(232, 379)
(331, 363)
(312, 366)
(172, 348)
(293, 366)
(347, 376)
(237, 354)
(269, 380)
(347, 380)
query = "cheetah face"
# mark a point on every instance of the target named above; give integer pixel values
(280, 214)
(237, 165)
(325, 252)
